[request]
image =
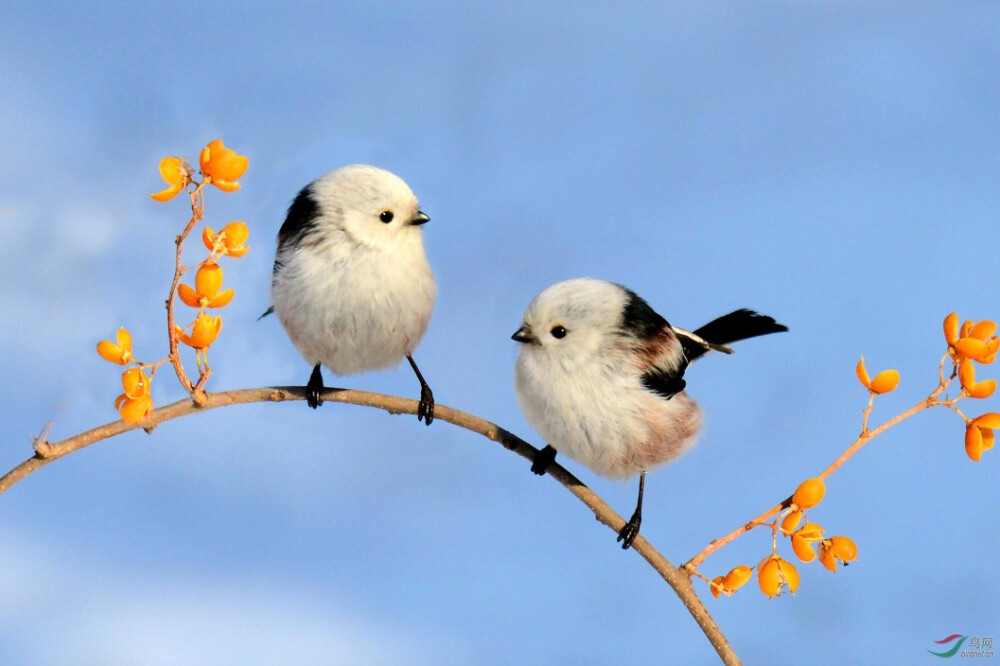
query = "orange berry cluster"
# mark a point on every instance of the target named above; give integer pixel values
(806, 541)
(974, 342)
(222, 167)
(884, 382)
(775, 573)
(135, 403)
(970, 343)
(831, 550)
(207, 291)
(732, 581)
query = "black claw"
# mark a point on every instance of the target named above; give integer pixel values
(315, 388)
(543, 459)
(631, 530)
(425, 411)
(628, 533)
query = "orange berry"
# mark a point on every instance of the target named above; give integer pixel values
(136, 383)
(885, 381)
(135, 410)
(809, 493)
(791, 576)
(208, 237)
(983, 330)
(838, 548)
(974, 389)
(221, 299)
(236, 234)
(843, 548)
(803, 549)
(737, 577)
(188, 296)
(803, 539)
(862, 373)
(973, 348)
(206, 293)
(990, 420)
(791, 521)
(989, 353)
(769, 577)
(966, 373)
(810, 532)
(774, 572)
(826, 558)
(222, 166)
(205, 330)
(176, 173)
(208, 281)
(951, 328)
(120, 353)
(987, 438)
(977, 440)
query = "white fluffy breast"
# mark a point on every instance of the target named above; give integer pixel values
(601, 416)
(353, 308)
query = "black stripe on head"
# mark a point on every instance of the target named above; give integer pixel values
(301, 218)
(639, 319)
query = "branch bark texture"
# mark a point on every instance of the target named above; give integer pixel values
(677, 578)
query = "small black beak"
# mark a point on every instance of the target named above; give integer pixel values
(523, 335)
(421, 218)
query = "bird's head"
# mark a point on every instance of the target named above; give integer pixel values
(572, 321)
(373, 207)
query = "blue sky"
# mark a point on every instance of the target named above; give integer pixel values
(832, 164)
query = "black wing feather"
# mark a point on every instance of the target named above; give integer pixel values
(733, 327)
(667, 384)
(645, 323)
(639, 318)
(300, 220)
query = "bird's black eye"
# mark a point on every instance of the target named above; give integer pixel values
(558, 332)
(386, 216)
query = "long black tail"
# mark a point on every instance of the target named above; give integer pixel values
(733, 327)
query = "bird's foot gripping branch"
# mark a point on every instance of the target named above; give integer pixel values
(968, 344)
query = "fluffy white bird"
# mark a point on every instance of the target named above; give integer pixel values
(352, 285)
(600, 376)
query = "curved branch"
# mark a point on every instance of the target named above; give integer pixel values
(678, 579)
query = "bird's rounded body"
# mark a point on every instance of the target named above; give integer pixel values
(341, 306)
(609, 422)
(600, 375)
(354, 292)
(587, 398)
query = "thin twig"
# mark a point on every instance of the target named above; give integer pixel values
(865, 437)
(40, 443)
(197, 213)
(677, 578)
